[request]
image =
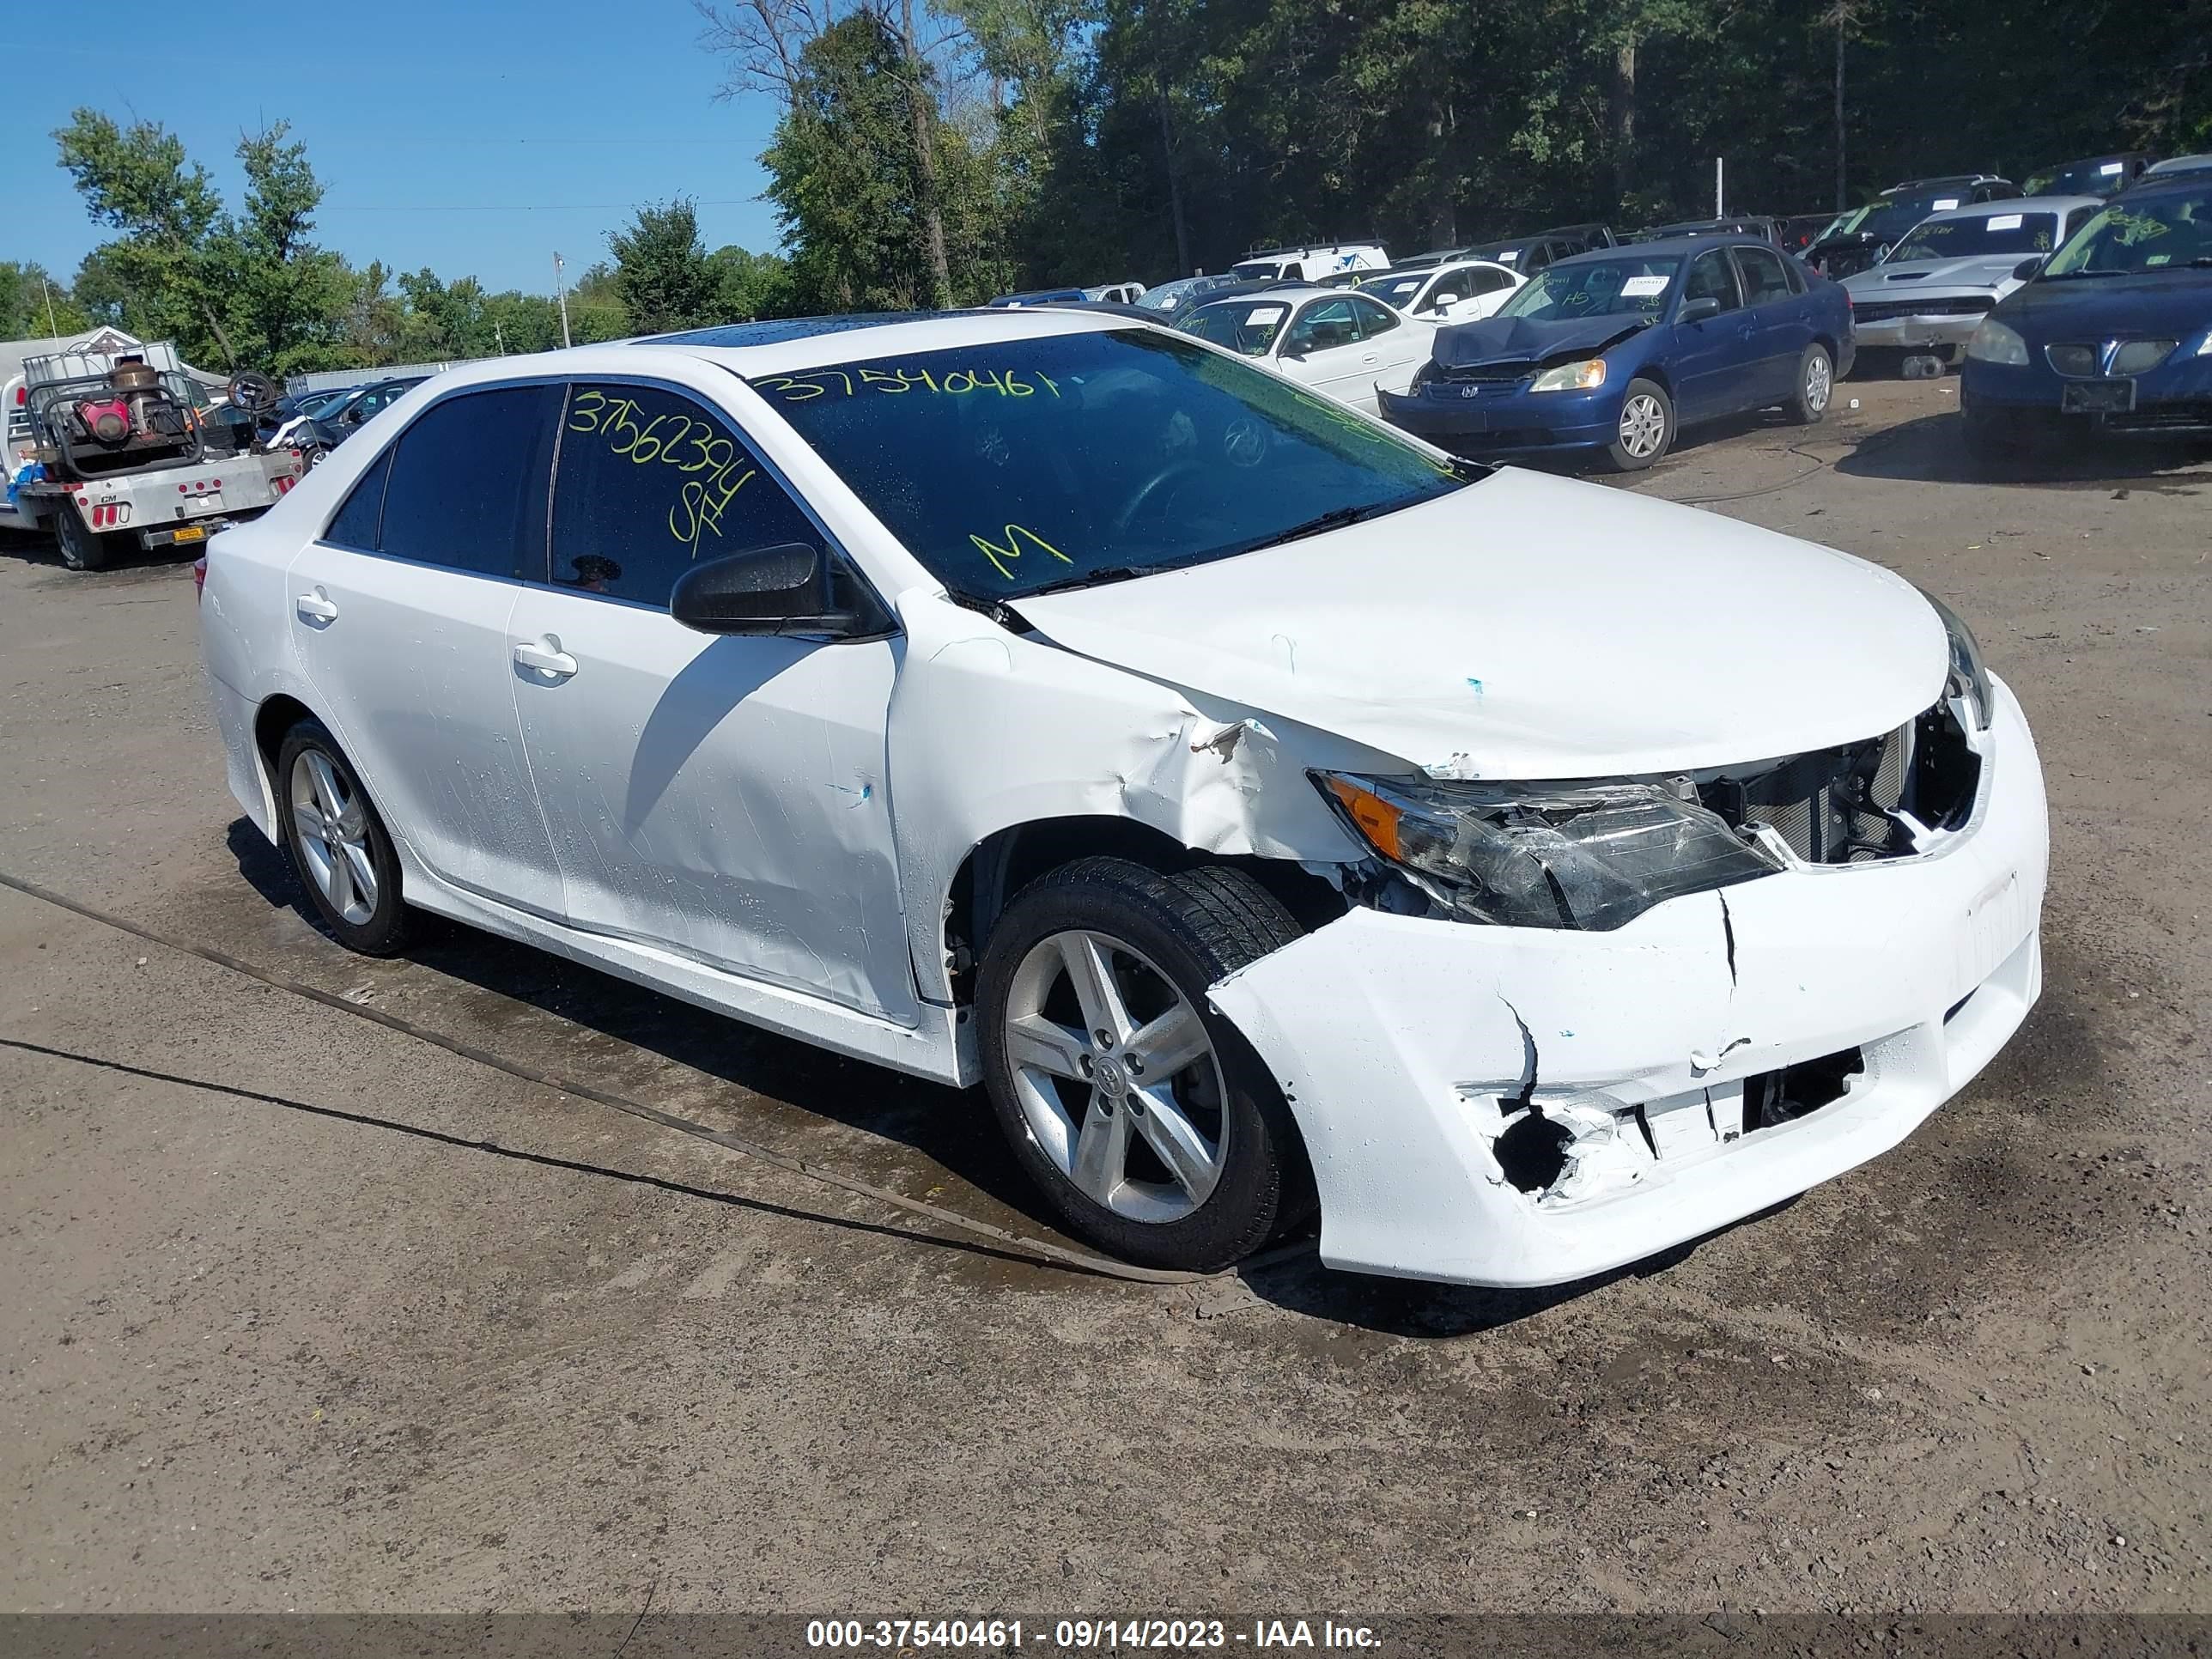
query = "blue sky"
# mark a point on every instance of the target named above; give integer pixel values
(476, 136)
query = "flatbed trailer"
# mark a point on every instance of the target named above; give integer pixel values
(146, 488)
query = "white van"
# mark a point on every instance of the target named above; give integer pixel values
(1308, 264)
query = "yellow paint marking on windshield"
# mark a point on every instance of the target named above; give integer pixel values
(805, 388)
(1015, 535)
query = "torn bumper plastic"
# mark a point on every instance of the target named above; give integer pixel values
(1411, 1048)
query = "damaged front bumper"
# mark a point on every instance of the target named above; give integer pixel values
(1519, 1106)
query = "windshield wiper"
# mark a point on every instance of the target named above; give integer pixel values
(1112, 573)
(1321, 523)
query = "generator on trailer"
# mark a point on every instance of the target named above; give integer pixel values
(114, 450)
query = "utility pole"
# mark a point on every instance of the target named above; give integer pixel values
(51, 329)
(499, 338)
(1720, 191)
(561, 283)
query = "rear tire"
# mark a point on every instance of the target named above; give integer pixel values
(1198, 1161)
(82, 548)
(1816, 386)
(1646, 428)
(346, 864)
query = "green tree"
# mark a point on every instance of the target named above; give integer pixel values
(751, 286)
(34, 305)
(661, 270)
(139, 181)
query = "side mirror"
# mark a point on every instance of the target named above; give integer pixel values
(1697, 310)
(1447, 298)
(790, 589)
(2026, 270)
(1295, 350)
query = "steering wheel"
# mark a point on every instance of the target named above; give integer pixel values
(1172, 473)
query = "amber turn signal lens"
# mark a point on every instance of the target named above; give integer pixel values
(1376, 818)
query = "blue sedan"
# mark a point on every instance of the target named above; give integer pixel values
(2112, 335)
(1614, 351)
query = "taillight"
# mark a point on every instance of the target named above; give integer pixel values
(200, 576)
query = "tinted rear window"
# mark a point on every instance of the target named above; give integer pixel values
(468, 483)
(356, 523)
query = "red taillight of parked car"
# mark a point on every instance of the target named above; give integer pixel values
(200, 576)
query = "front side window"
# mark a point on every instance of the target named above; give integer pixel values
(651, 483)
(1025, 465)
(1710, 278)
(1764, 280)
(1323, 327)
(2144, 234)
(467, 488)
(1631, 286)
(2021, 233)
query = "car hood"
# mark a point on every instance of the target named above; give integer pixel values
(1534, 626)
(1494, 339)
(2177, 303)
(1902, 279)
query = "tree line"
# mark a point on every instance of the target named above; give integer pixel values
(934, 152)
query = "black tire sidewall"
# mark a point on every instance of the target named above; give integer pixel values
(1265, 1186)
(386, 930)
(1621, 459)
(80, 547)
(1801, 406)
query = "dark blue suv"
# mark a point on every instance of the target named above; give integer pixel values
(1614, 351)
(2113, 334)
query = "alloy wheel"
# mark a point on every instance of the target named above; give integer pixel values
(1643, 426)
(1820, 382)
(1115, 1077)
(332, 827)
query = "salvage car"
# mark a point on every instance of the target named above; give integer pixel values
(1350, 346)
(1930, 293)
(1450, 291)
(1309, 263)
(2111, 335)
(1610, 353)
(1275, 815)
(1182, 291)
(1857, 238)
(2095, 175)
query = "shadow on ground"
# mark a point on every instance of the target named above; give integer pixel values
(1932, 450)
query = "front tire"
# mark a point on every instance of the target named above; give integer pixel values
(1146, 1119)
(338, 845)
(1816, 386)
(1646, 428)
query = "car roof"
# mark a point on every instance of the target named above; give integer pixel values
(2174, 166)
(2011, 204)
(1292, 292)
(2169, 184)
(1666, 245)
(797, 344)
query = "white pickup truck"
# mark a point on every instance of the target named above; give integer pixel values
(105, 450)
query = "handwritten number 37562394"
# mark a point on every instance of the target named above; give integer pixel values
(713, 468)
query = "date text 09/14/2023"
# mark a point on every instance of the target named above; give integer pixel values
(1085, 1635)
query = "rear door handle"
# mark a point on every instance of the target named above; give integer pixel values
(315, 607)
(546, 656)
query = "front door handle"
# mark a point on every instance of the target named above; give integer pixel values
(546, 656)
(315, 607)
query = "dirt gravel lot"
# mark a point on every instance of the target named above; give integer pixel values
(373, 1327)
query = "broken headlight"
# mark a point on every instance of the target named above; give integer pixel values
(1969, 677)
(1590, 856)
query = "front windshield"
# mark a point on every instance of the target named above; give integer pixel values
(1019, 465)
(2154, 233)
(1397, 290)
(1991, 234)
(1257, 271)
(1596, 287)
(2082, 178)
(1245, 326)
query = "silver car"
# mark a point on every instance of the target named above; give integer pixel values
(1932, 289)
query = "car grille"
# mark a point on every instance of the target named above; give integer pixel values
(2082, 361)
(1850, 804)
(1487, 373)
(1882, 311)
(2139, 356)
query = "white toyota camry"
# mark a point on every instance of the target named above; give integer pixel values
(1272, 813)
